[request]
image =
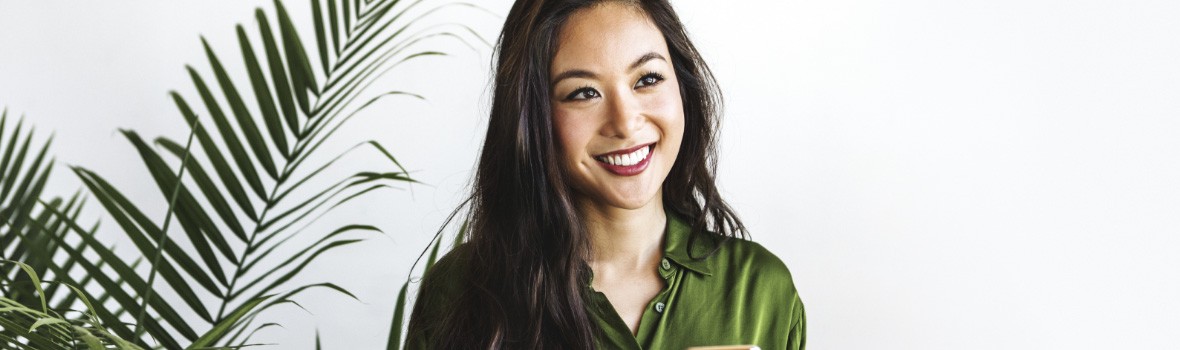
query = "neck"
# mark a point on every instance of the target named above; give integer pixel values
(625, 238)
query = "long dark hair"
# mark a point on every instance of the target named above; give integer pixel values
(526, 249)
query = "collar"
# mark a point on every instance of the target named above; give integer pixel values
(676, 248)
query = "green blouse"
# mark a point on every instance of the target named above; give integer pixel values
(740, 295)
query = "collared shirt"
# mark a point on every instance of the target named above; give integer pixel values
(740, 295)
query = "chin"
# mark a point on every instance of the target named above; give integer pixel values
(631, 201)
(606, 191)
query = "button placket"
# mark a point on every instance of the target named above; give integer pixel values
(668, 273)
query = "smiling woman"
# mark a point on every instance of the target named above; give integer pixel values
(595, 218)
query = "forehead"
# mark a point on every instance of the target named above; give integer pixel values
(607, 35)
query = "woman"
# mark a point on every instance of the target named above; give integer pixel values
(595, 221)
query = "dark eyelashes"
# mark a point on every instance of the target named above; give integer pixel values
(659, 77)
(591, 93)
(579, 91)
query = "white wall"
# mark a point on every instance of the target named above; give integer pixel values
(937, 175)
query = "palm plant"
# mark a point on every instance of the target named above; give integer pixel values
(246, 189)
(25, 327)
(20, 188)
(30, 235)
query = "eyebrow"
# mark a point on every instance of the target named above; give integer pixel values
(582, 73)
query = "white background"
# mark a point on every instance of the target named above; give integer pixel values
(936, 174)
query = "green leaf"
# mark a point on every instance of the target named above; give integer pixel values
(367, 177)
(271, 221)
(336, 232)
(399, 311)
(36, 281)
(320, 35)
(266, 103)
(243, 160)
(433, 253)
(130, 219)
(117, 290)
(460, 234)
(385, 152)
(47, 321)
(188, 212)
(364, 36)
(251, 335)
(227, 176)
(347, 20)
(20, 201)
(338, 101)
(349, 61)
(332, 23)
(92, 342)
(303, 180)
(292, 259)
(55, 228)
(16, 164)
(278, 74)
(286, 299)
(241, 114)
(302, 77)
(89, 307)
(222, 328)
(18, 322)
(208, 188)
(27, 243)
(159, 252)
(374, 13)
(297, 269)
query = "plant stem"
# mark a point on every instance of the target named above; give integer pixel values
(249, 248)
(163, 239)
(283, 176)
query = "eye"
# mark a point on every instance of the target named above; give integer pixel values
(584, 93)
(649, 79)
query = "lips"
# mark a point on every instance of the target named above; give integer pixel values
(627, 162)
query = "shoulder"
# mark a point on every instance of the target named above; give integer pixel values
(749, 266)
(441, 286)
(751, 258)
(444, 278)
(444, 281)
(762, 274)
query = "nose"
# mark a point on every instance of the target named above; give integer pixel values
(624, 115)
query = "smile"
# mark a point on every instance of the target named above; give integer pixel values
(627, 162)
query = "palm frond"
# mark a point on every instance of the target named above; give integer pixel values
(25, 327)
(20, 182)
(250, 181)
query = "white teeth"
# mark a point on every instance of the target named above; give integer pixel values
(627, 159)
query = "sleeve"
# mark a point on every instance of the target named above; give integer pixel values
(783, 297)
(797, 335)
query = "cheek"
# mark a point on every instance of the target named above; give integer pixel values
(571, 131)
(669, 111)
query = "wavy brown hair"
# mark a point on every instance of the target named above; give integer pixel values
(525, 254)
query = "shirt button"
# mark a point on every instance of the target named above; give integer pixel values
(660, 307)
(664, 264)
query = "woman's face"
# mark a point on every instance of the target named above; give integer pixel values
(616, 105)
